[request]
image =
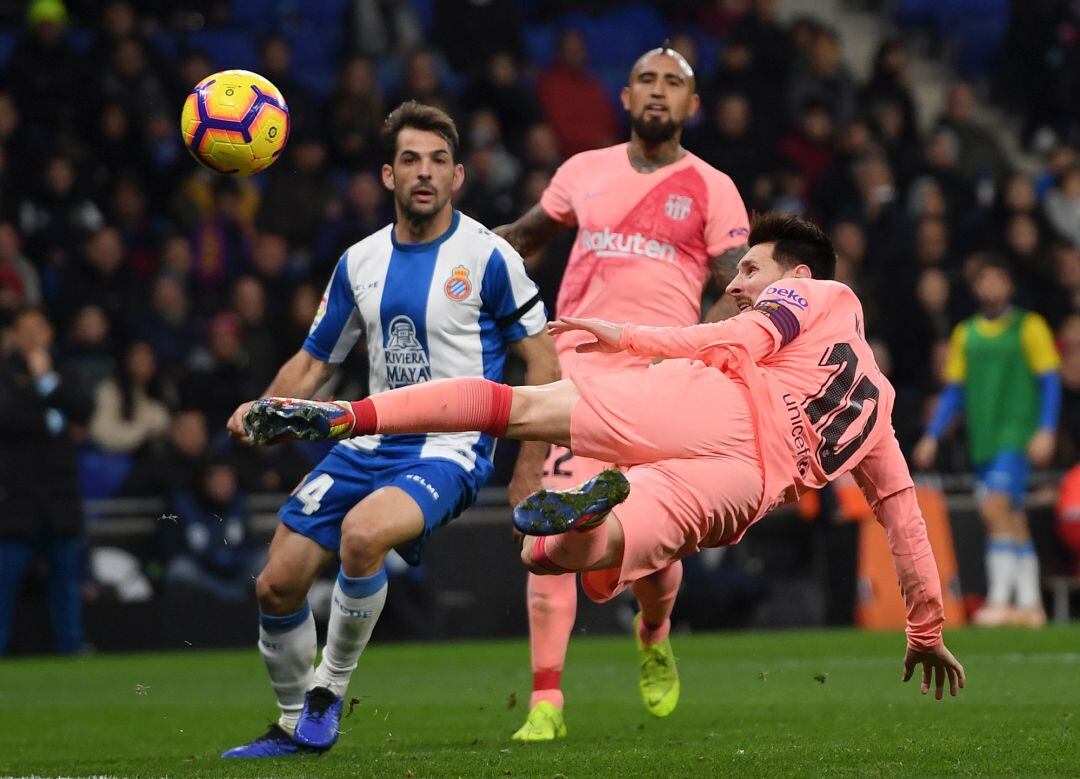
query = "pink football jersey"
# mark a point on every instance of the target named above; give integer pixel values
(822, 402)
(644, 241)
(821, 407)
(836, 403)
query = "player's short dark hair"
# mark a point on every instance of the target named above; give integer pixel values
(798, 242)
(419, 117)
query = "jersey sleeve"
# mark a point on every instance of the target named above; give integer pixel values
(676, 342)
(790, 305)
(557, 199)
(1038, 344)
(337, 324)
(510, 297)
(781, 313)
(726, 224)
(886, 482)
(956, 361)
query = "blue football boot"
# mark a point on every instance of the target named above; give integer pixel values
(319, 719)
(551, 512)
(270, 420)
(275, 742)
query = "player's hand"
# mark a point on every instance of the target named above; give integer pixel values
(924, 453)
(938, 663)
(607, 334)
(235, 425)
(1041, 448)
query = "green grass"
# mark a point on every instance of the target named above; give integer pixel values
(751, 706)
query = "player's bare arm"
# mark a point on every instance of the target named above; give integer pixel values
(541, 367)
(299, 377)
(532, 231)
(722, 270)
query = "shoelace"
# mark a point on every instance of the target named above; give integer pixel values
(655, 658)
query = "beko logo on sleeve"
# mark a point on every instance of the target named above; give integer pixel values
(789, 296)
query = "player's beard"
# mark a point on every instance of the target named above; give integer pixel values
(653, 131)
(422, 215)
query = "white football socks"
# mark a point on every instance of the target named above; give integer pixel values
(355, 607)
(1028, 594)
(288, 647)
(1000, 570)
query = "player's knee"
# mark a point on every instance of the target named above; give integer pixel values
(278, 596)
(362, 544)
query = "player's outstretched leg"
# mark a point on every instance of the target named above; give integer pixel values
(534, 413)
(551, 512)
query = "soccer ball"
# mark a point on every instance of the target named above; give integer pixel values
(235, 122)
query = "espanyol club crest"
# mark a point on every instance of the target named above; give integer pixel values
(458, 286)
(677, 207)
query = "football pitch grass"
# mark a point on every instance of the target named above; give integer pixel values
(753, 704)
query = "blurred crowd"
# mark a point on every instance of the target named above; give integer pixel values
(175, 294)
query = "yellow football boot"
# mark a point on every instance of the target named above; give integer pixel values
(659, 682)
(544, 723)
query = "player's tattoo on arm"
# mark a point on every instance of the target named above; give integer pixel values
(722, 270)
(532, 231)
(726, 265)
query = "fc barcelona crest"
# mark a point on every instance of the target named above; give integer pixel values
(458, 286)
(677, 207)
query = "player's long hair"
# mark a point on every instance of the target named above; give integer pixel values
(798, 242)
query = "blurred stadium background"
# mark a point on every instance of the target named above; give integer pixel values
(922, 135)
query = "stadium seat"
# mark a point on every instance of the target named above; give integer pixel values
(102, 474)
(707, 51)
(388, 71)
(540, 43)
(228, 48)
(8, 39)
(165, 45)
(323, 13)
(315, 53)
(81, 40)
(255, 15)
(977, 29)
(425, 14)
(617, 38)
(614, 78)
(915, 13)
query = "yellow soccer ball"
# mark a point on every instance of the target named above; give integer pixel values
(235, 122)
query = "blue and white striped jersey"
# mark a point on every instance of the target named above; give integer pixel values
(435, 310)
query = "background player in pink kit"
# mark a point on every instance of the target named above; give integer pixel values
(740, 417)
(653, 221)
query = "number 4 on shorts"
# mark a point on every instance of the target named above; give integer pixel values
(312, 492)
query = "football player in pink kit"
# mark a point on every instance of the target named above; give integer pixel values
(653, 221)
(738, 418)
